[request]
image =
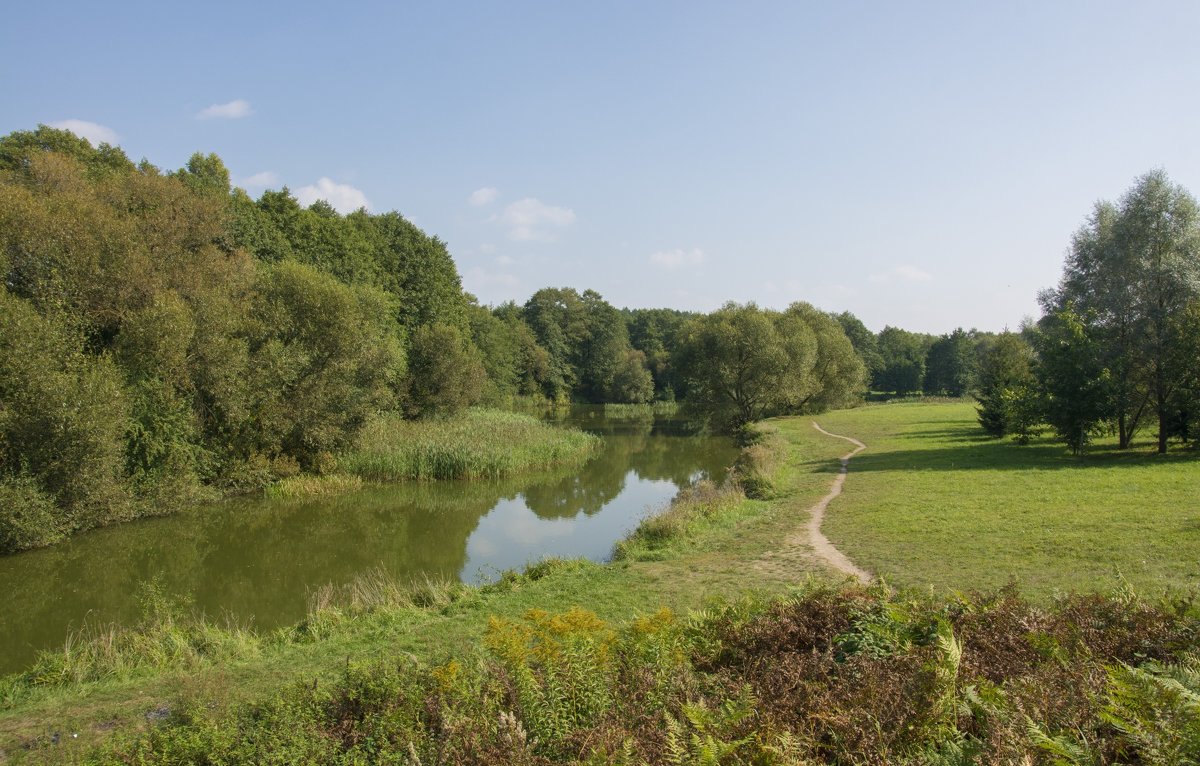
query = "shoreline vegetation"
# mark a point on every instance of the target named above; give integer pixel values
(478, 444)
(668, 654)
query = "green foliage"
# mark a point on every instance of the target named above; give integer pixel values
(1007, 392)
(62, 417)
(1156, 709)
(838, 373)
(19, 149)
(655, 332)
(631, 380)
(1073, 375)
(950, 365)
(28, 518)
(902, 354)
(1133, 269)
(742, 363)
(866, 345)
(446, 373)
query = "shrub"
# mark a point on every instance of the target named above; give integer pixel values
(28, 518)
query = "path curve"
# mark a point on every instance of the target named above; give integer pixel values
(810, 537)
(821, 546)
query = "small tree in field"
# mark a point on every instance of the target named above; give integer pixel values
(1077, 385)
(1007, 389)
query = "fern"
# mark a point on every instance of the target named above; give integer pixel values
(1156, 710)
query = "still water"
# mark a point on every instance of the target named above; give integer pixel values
(258, 560)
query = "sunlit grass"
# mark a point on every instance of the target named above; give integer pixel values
(933, 501)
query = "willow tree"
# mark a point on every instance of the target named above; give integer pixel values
(743, 363)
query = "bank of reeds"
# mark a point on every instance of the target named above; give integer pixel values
(482, 444)
(832, 674)
(313, 485)
(641, 410)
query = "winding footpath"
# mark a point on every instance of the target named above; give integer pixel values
(810, 538)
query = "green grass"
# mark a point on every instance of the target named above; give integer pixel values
(482, 444)
(933, 501)
(640, 410)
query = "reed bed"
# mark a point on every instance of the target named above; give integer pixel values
(483, 444)
(307, 485)
(637, 410)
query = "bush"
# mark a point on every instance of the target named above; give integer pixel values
(28, 518)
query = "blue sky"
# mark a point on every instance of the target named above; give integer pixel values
(920, 164)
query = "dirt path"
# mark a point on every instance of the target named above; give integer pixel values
(809, 542)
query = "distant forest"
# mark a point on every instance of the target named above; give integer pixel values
(165, 338)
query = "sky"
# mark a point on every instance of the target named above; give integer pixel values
(920, 164)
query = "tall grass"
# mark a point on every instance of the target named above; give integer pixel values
(169, 636)
(482, 444)
(640, 410)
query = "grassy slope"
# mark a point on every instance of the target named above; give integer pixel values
(934, 502)
(712, 561)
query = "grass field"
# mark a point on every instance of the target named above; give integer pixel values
(932, 501)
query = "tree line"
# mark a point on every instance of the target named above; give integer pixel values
(164, 338)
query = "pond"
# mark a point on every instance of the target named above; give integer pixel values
(258, 560)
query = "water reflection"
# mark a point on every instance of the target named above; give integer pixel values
(258, 560)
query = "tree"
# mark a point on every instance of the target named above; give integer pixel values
(1006, 387)
(742, 363)
(603, 349)
(62, 419)
(866, 345)
(1072, 373)
(556, 316)
(445, 372)
(1132, 269)
(950, 365)
(838, 372)
(903, 361)
(631, 380)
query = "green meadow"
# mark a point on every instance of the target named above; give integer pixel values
(933, 501)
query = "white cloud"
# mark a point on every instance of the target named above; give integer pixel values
(260, 180)
(530, 220)
(902, 273)
(505, 260)
(484, 196)
(677, 258)
(234, 110)
(344, 198)
(94, 132)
